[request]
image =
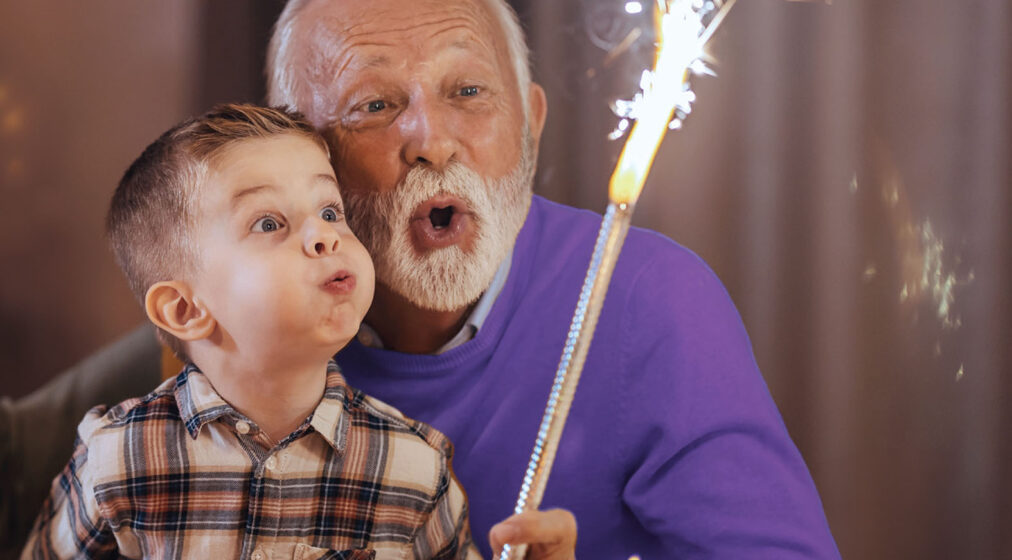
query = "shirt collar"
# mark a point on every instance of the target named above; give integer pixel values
(329, 419)
(197, 400)
(199, 404)
(368, 337)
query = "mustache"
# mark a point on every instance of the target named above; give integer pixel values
(420, 184)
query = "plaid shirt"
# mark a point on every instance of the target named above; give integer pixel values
(181, 474)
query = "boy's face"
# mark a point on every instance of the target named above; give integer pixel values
(280, 271)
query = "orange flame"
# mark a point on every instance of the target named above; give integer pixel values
(681, 37)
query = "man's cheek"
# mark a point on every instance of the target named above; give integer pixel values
(369, 167)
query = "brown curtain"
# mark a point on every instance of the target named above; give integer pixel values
(847, 150)
(83, 88)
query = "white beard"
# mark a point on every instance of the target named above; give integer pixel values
(448, 278)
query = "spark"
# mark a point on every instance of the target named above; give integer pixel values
(870, 272)
(665, 98)
(633, 7)
(853, 184)
(930, 273)
(960, 373)
(891, 195)
(928, 277)
(935, 280)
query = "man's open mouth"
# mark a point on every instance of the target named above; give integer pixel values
(441, 217)
(441, 221)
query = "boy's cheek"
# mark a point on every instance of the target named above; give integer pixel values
(366, 278)
(244, 288)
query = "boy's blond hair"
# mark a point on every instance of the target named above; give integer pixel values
(153, 210)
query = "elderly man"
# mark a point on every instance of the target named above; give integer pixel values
(673, 447)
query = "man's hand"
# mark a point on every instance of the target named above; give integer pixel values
(551, 535)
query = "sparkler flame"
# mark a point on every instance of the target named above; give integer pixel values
(684, 27)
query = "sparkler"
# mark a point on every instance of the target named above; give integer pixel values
(931, 271)
(683, 29)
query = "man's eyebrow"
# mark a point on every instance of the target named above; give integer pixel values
(375, 61)
(462, 44)
(472, 45)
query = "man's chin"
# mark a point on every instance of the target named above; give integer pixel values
(443, 280)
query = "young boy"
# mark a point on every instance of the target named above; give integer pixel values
(231, 232)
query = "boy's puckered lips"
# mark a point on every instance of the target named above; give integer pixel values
(441, 221)
(342, 282)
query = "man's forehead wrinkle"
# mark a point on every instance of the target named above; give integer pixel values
(391, 32)
(328, 51)
(344, 37)
(354, 57)
(333, 54)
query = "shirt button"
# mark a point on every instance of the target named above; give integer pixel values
(258, 554)
(242, 427)
(271, 463)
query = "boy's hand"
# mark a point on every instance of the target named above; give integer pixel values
(551, 535)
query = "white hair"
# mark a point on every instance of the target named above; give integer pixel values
(285, 81)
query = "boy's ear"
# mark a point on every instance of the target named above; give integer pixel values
(172, 307)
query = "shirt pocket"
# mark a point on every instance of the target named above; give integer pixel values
(306, 552)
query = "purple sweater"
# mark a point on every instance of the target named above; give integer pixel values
(673, 447)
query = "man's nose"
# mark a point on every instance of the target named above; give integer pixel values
(429, 139)
(321, 239)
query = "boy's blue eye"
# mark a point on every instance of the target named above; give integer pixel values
(266, 224)
(469, 91)
(329, 214)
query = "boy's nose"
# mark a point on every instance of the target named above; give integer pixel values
(321, 239)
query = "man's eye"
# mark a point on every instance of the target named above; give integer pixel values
(469, 91)
(330, 214)
(266, 224)
(376, 106)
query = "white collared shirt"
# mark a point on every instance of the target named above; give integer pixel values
(368, 337)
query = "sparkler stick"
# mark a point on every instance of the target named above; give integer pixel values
(681, 36)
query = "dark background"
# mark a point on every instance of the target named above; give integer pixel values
(847, 173)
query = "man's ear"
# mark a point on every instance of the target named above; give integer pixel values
(537, 110)
(172, 307)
